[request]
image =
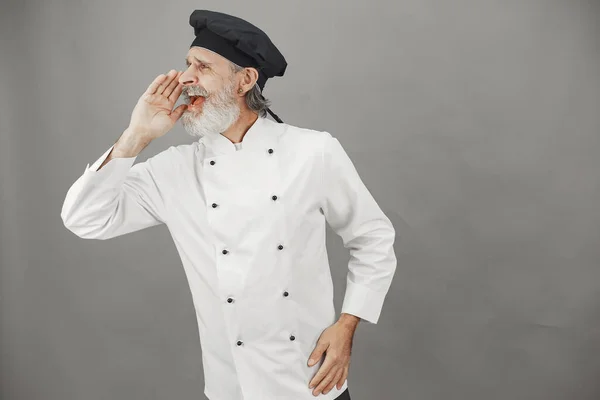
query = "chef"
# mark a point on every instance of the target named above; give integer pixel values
(247, 205)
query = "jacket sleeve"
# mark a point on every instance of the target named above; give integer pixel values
(117, 199)
(368, 234)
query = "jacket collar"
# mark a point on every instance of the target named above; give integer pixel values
(261, 136)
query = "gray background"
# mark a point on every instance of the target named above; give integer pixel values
(475, 124)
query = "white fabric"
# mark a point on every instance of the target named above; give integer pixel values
(315, 182)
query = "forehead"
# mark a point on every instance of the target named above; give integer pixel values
(205, 55)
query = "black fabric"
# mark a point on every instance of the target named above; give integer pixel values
(239, 41)
(211, 41)
(345, 395)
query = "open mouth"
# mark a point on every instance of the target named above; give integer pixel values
(196, 99)
(196, 103)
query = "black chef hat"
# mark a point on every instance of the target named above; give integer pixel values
(240, 42)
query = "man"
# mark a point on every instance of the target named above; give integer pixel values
(246, 205)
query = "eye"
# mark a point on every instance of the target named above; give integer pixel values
(199, 65)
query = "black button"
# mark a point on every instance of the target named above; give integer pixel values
(212, 162)
(270, 151)
(292, 337)
(214, 205)
(230, 300)
(239, 342)
(280, 247)
(285, 294)
(225, 252)
(274, 197)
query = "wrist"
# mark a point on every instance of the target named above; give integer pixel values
(130, 144)
(349, 320)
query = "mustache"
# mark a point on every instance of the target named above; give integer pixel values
(196, 91)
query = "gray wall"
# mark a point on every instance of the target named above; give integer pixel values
(475, 124)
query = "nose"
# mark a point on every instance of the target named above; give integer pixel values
(188, 78)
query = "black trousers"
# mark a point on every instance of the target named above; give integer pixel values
(344, 396)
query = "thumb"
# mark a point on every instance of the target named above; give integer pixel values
(178, 112)
(317, 353)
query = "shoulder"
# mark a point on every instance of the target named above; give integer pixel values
(306, 138)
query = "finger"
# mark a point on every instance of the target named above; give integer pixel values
(322, 372)
(166, 82)
(336, 378)
(172, 85)
(155, 83)
(176, 93)
(325, 382)
(178, 112)
(317, 353)
(343, 378)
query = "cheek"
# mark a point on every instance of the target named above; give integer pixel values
(209, 82)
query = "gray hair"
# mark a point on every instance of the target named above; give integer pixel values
(254, 98)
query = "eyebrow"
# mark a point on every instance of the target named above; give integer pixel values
(200, 61)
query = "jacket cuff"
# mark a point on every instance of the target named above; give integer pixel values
(363, 302)
(113, 173)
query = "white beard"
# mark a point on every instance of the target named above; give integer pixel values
(219, 111)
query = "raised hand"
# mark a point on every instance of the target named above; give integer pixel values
(153, 115)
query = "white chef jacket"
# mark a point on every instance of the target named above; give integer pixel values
(249, 226)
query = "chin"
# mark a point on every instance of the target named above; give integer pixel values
(210, 119)
(193, 130)
(198, 125)
(192, 122)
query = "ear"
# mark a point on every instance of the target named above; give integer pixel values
(249, 79)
